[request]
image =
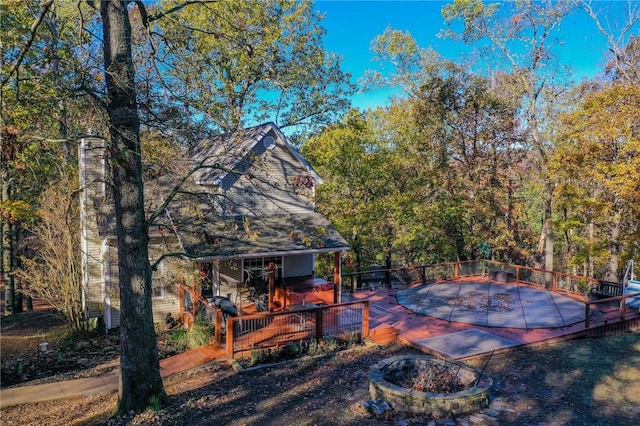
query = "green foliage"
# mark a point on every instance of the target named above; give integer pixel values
(596, 167)
(312, 348)
(155, 403)
(428, 179)
(259, 356)
(250, 61)
(182, 339)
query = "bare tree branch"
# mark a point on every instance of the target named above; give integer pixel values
(173, 9)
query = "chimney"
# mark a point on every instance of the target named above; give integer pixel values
(93, 167)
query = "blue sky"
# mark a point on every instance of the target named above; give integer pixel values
(351, 25)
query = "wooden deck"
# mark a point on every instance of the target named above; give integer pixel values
(397, 322)
(413, 327)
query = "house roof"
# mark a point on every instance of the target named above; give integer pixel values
(226, 151)
(193, 218)
(232, 237)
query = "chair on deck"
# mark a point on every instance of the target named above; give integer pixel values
(244, 293)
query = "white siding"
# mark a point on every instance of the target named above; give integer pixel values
(266, 186)
(93, 265)
(169, 303)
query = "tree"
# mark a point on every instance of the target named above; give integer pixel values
(466, 149)
(342, 154)
(597, 169)
(624, 46)
(43, 93)
(115, 90)
(53, 270)
(524, 38)
(235, 62)
(140, 381)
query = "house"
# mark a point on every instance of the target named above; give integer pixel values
(247, 205)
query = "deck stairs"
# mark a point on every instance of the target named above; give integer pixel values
(631, 285)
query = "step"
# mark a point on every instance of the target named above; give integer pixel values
(383, 334)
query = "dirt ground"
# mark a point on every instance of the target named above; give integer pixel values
(581, 382)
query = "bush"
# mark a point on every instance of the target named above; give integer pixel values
(311, 348)
(183, 339)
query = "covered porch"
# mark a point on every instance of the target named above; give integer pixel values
(268, 283)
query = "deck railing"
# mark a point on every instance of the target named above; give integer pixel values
(425, 274)
(303, 324)
(191, 302)
(306, 323)
(620, 300)
(579, 287)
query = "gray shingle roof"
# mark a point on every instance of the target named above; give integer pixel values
(203, 233)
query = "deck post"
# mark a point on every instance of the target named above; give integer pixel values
(586, 315)
(272, 288)
(229, 340)
(218, 326)
(194, 298)
(365, 319)
(336, 278)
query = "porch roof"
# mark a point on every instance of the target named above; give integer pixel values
(203, 234)
(235, 237)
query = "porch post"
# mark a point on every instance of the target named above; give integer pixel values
(272, 289)
(337, 281)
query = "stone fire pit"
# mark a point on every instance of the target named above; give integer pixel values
(422, 384)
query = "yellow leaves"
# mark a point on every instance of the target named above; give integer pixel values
(17, 210)
(251, 234)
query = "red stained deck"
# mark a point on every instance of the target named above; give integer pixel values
(411, 327)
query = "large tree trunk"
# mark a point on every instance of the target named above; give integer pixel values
(140, 381)
(549, 237)
(614, 249)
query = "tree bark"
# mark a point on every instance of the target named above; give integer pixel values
(140, 381)
(614, 248)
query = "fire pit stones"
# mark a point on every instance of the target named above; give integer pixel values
(472, 398)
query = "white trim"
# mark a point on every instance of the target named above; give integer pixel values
(274, 253)
(160, 270)
(107, 285)
(83, 228)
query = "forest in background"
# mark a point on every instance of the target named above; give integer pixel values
(506, 159)
(507, 166)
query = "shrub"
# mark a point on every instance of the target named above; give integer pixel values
(182, 339)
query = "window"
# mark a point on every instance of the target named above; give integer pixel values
(255, 270)
(157, 282)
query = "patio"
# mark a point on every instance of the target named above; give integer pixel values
(460, 332)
